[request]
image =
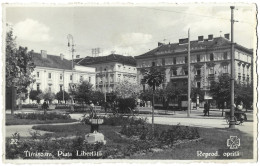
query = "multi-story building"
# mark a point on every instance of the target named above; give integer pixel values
(55, 73)
(209, 59)
(110, 70)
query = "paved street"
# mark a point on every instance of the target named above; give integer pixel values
(196, 119)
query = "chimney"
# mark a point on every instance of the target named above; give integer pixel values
(77, 56)
(61, 56)
(160, 44)
(44, 54)
(210, 37)
(226, 36)
(183, 41)
(200, 38)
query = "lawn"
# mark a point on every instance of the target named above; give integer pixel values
(211, 140)
(12, 120)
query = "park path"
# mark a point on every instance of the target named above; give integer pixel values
(24, 130)
(205, 122)
(179, 117)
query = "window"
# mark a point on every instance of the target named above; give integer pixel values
(70, 77)
(38, 74)
(60, 76)
(153, 63)
(186, 59)
(163, 61)
(81, 78)
(186, 72)
(225, 68)
(38, 87)
(211, 58)
(211, 70)
(174, 60)
(198, 72)
(60, 87)
(89, 79)
(174, 72)
(49, 87)
(49, 76)
(225, 55)
(198, 84)
(198, 58)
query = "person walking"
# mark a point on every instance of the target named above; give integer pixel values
(206, 108)
(45, 106)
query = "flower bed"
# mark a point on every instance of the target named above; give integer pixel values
(38, 116)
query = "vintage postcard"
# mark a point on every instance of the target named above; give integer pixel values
(127, 82)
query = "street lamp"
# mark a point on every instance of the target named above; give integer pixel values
(71, 45)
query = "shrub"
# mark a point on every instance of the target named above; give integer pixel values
(119, 120)
(38, 116)
(17, 150)
(30, 106)
(166, 137)
(126, 103)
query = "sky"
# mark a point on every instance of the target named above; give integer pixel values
(128, 30)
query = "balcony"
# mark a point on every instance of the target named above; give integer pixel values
(225, 74)
(211, 76)
(197, 76)
(178, 76)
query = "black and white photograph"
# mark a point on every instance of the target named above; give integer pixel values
(128, 82)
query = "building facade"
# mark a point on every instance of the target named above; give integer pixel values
(110, 70)
(209, 58)
(55, 73)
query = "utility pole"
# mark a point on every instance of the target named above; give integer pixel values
(189, 106)
(232, 120)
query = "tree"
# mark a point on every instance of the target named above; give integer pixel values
(62, 95)
(97, 97)
(19, 65)
(195, 91)
(154, 78)
(47, 95)
(83, 92)
(34, 95)
(220, 91)
(126, 89)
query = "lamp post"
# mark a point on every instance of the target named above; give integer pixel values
(105, 85)
(232, 120)
(71, 46)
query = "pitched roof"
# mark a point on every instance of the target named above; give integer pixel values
(218, 42)
(104, 59)
(51, 61)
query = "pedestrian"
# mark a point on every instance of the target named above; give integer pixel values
(206, 108)
(45, 106)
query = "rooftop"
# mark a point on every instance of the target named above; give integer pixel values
(104, 59)
(218, 42)
(51, 61)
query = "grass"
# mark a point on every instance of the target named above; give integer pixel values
(212, 140)
(11, 120)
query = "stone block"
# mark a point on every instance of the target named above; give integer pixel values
(95, 137)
